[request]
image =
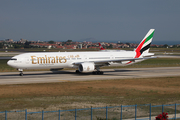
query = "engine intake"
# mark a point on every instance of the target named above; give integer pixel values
(86, 67)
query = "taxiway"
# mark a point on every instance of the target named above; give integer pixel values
(70, 75)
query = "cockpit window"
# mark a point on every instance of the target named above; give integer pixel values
(13, 59)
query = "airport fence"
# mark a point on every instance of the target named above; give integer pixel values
(128, 112)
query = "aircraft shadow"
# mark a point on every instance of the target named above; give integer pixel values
(125, 70)
(72, 73)
(47, 73)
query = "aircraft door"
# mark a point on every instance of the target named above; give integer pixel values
(85, 58)
(112, 56)
(27, 60)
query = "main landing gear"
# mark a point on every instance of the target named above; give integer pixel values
(21, 72)
(94, 72)
(97, 72)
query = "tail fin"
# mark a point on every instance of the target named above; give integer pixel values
(100, 46)
(144, 46)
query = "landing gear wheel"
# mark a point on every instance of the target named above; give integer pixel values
(97, 73)
(77, 71)
(94, 72)
(101, 73)
(21, 74)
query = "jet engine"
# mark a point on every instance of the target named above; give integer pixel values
(86, 67)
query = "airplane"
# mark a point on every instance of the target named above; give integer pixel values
(83, 62)
(101, 47)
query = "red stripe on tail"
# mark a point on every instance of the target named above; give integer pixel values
(138, 53)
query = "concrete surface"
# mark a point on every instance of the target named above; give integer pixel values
(70, 75)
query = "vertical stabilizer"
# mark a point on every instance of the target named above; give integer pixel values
(144, 46)
(100, 47)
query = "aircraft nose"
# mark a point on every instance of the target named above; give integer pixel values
(10, 63)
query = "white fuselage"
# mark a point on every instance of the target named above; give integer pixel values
(53, 60)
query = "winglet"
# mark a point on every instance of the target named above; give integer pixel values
(144, 46)
(100, 46)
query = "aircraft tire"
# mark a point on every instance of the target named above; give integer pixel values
(101, 73)
(77, 71)
(94, 72)
(97, 73)
(21, 74)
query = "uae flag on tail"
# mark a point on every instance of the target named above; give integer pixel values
(144, 46)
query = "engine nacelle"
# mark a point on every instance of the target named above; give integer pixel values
(86, 67)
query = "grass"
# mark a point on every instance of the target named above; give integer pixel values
(70, 95)
(4, 67)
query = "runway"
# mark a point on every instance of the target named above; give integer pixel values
(70, 75)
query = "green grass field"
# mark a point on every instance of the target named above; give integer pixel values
(4, 67)
(70, 95)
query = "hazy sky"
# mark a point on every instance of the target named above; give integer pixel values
(121, 20)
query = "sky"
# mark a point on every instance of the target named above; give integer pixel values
(90, 20)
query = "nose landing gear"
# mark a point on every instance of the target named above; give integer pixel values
(21, 72)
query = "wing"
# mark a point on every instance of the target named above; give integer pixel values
(107, 62)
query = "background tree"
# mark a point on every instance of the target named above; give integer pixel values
(51, 42)
(165, 46)
(27, 45)
(17, 46)
(1, 45)
(110, 46)
(69, 40)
